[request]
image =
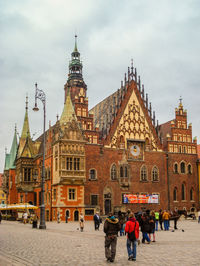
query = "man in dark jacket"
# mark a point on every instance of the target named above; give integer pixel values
(111, 228)
(97, 221)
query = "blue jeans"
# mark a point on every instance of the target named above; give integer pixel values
(145, 237)
(166, 225)
(131, 248)
(156, 225)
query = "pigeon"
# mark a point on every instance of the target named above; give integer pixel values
(183, 230)
(172, 230)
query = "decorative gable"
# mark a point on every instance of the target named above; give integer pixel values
(133, 125)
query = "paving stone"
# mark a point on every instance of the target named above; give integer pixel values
(63, 244)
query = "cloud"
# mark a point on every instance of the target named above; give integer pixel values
(37, 38)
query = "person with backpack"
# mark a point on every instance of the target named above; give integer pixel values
(132, 230)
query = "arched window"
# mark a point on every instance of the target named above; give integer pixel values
(176, 168)
(191, 194)
(125, 171)
(182, 168)
(92, 174)
(175, 194)
(155, 174)
(189, 169)
(121, 171)
(113, 173)
(183, 192)
(143, 173)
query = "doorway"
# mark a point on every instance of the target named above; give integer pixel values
(76, 216)
(107, 206)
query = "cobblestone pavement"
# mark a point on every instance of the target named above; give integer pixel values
(64, 244)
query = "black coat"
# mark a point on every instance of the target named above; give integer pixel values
(111, 227)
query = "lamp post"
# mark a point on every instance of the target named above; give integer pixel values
(39, 94)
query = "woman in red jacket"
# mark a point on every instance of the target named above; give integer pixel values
(132, 230)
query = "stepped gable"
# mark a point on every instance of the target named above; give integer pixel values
(109, 113)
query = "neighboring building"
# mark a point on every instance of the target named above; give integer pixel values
(2, 193)
(198, 163)
(94, 159)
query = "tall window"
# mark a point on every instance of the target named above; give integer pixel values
(92, 174)
(76, 163)
(113, 172)
(121, 171)
(175, 194)
(182, 168)
(143, 173)
(191, 194)
(94, 200)
(189, 169)
(27, 174)
(155, 174)
(56, 164)
(72, 194)
(183, 192)
(176, 168)
(125, 171)
(69, 163)
(54, 194)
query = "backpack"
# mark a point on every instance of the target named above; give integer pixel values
(131, 235)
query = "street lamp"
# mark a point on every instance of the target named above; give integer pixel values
(39, 94)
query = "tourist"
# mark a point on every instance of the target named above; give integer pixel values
(66, 217)
(145, 228)
(58, 217)
(132, 230)
(81, 222)
(156, 220)
(25, 217)
(198, 214)
(0, 216)
(165, 218)
(121, 219)
(111, 228)
(160, 219)
(152, 222)
(97, 221)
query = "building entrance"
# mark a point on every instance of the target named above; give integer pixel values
(76, 215)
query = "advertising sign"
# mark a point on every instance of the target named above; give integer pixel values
(134, 198)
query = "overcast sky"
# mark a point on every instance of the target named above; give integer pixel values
(37, 38)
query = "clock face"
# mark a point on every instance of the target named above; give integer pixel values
(135, 150)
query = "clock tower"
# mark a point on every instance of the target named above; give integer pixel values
(75, 80)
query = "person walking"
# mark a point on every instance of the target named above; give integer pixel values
(165, 218)
(0, 217)
(145, 228)
(111, 228)
(152, 222)
(160, 219)
(198, 214)
(121, 221)
(97, 221)
(25, 217)
(81, 222)
(58, 217)
(132, 230)
(156, 220)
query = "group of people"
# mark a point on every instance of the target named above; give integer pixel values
(111, 228)
(130, 225)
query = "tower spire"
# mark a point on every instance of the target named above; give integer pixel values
(75, 46)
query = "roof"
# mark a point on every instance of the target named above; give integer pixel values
(68, 113)
(198, 151)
